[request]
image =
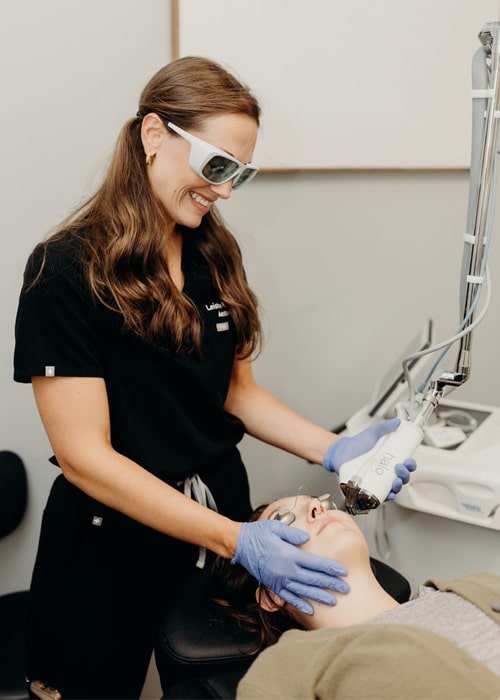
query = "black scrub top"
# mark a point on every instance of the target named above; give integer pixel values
(166, 409)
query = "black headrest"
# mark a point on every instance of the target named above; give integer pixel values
(13, 491)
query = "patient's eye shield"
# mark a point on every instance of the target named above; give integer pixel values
(367, 480)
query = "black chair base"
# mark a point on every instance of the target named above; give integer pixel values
(12, 656)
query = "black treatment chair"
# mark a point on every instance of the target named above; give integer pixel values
(13, 501)
(201, 653)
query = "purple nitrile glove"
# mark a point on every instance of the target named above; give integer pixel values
(349, 447)
(268, 550)
(402, 476)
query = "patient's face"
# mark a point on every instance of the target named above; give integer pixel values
(332, 533)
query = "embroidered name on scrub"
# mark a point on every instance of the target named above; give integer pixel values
(222, 312)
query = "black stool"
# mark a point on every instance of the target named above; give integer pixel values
(13, 501)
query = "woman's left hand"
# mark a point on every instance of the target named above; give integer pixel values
(402, 476)
(349, 447)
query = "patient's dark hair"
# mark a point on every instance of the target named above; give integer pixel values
(234, 589)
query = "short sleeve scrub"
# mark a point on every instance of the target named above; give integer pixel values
(100, 578)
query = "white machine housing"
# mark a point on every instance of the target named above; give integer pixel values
(463, 482)
(460, 482)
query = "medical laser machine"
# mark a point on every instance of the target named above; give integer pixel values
(367, 480)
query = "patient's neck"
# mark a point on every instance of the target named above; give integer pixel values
(366, 599)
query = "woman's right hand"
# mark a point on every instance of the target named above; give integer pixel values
(268, 550)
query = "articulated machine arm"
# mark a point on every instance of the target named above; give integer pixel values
(367, 480)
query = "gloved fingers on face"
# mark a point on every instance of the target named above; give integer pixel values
(317, 579)
(297, 602)
(318, 566)
(312, 592)
(292, 535)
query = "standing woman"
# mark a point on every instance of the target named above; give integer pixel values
(136, 327)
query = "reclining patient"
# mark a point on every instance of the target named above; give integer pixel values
(444, 643)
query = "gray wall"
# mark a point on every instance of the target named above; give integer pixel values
(72, 72)
(347, 265)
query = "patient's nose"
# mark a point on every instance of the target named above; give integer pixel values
(316, 508)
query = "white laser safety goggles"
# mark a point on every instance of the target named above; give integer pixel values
(212, 164)
(288, 515)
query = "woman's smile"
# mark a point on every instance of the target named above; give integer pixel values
(204, 203)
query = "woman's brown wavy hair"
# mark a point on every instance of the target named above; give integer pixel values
(123, 225)
(239, 594)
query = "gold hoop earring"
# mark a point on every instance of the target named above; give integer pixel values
(150, 158)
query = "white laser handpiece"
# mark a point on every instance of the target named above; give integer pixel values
(367, 480)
